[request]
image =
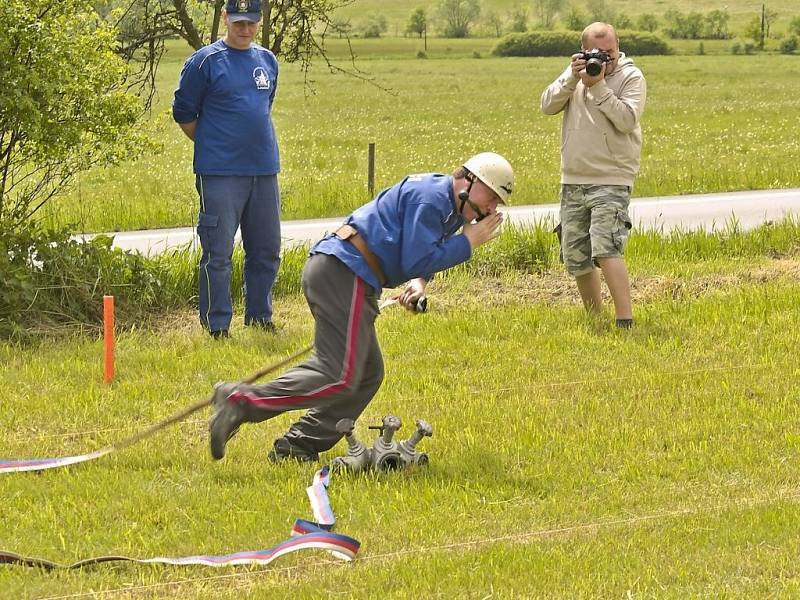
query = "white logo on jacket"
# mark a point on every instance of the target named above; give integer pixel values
(261, 78)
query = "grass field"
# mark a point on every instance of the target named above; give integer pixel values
(569, 459)
(712, 123)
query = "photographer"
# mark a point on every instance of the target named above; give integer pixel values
(601, 143)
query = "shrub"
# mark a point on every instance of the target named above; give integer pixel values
(647, 22)
(575, 18)
(50, 280)
(794, 26)
(64, 102)
(538, 43)
(375, 25)
(565, 43)
(789, 45)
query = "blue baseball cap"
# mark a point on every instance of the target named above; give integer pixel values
(243, 10)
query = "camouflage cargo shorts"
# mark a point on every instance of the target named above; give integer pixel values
(594, 224)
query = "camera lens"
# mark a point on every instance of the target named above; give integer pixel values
(594, 66)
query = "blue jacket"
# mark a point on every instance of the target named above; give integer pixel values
(230, 93)
(410, 227)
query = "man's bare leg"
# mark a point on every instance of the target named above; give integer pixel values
(616, 275)
(589, 288)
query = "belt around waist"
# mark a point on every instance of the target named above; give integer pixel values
(350, 234)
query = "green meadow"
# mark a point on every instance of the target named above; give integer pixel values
(569, 459)
(712, 123)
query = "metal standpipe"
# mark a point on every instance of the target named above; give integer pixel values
(408, 447)
(385, 453)
(358, 456)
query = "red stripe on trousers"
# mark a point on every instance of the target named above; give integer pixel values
(351, 349)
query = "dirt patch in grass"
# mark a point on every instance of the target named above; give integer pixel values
(557, 287)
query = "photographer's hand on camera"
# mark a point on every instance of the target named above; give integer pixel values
(589, 80)
(581, 67)
(578, 64)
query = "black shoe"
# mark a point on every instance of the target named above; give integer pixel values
(262, 324)
(225, 421)
(625, 323)
(283, 449)
(219, 333)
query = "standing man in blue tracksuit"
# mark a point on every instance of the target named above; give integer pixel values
(224, 104)
(405, 235)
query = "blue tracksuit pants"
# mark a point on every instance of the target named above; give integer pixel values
(227, 203)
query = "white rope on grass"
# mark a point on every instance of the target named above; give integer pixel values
(620, 378)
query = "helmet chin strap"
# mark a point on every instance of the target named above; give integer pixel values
(463, 195)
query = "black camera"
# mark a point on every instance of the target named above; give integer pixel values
(594, 61)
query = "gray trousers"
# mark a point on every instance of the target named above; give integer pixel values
(346, 368)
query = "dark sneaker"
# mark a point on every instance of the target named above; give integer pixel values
(219, 334)
(283, 449)
(225, 421)
(262, 324)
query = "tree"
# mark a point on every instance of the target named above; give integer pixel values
(754, 31)
(680, 26)
(495, 22)
(600, 11)
(417, 22)
(458, 16)
(758, 28)
(547, 10)
(518, 19)
(770, 16)
(294, 30)
(341, 27)
(576, 18)
(687, 27)
(647, 22)
(794, 26)
(675, 23)
(65, 103)
(622, 21)
(717, 25)
(375, 25)
(694, 25)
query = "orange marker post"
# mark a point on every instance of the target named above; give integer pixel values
(108, 338)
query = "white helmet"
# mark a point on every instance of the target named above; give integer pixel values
(493, 170)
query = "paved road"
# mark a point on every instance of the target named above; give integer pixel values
(705, 211)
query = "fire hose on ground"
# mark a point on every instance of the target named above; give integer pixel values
(385, 454)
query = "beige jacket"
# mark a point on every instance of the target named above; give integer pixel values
(601, 140)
